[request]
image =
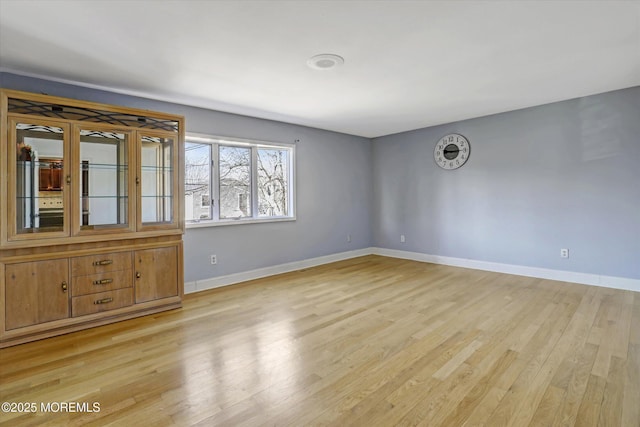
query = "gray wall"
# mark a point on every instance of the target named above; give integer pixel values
(333, 187)
(563, 175)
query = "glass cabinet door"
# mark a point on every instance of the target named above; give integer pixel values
(39, 175)
(158, 181)
(102, 168)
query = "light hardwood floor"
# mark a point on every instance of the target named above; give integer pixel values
(370, 341)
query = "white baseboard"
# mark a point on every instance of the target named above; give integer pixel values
(519, 270)
(217, 282)
(190, 287)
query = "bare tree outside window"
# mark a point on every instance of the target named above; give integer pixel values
(196, 181)
(228, 180)
(235, 180)
(273, 177)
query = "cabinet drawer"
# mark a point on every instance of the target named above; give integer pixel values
(101, 282)
(102, 301)
(100, 263)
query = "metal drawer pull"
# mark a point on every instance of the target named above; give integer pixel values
(102, 282)
(64, 286)
(103, 262)
(103, 301)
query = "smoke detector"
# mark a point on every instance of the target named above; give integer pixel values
(325, 61)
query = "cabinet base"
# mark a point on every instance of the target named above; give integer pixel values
(10, 341)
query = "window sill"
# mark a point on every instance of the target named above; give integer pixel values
(239, 221)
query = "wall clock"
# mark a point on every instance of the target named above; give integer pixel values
(452, 151)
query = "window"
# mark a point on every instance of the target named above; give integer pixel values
(205, 201)
(234, 180)
(229, 180)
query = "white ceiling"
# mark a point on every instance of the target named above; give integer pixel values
(408, 64)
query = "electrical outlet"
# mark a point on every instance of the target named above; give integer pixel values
(402, 240)
(214, 259)
(348, 238)
(564, 253)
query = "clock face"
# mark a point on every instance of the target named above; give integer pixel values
(452, 151)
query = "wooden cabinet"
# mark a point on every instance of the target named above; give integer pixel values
(115, 170)
(36, 292)
(156, 271)
(92, 228)
(102, 264)
(50, 176)
(102, 282)
(102, 301)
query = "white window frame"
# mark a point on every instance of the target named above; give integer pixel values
(214, 181)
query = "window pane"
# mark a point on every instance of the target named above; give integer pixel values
(196, 181)
(273, 182)
(235, 182)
